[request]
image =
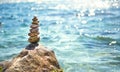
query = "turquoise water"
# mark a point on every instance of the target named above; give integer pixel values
(85, 35)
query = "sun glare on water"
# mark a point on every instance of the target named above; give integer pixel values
(79, 4)
(68, 4)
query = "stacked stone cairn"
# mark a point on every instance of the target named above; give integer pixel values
(34, 31)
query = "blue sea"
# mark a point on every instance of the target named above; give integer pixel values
(84, 34)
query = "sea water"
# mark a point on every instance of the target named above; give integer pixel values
(85, 35)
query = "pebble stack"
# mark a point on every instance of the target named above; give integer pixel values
(34, 31)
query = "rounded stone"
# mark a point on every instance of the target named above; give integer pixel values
(34, 30)
(34, 26)
(33, 39)
(35, 22)
(33, 34)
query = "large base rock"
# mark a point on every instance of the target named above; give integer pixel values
(40, 59)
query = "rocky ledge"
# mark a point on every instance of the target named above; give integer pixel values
(40, 59)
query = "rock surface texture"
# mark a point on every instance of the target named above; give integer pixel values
(41, 59)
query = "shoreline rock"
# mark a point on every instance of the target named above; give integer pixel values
(40, 59)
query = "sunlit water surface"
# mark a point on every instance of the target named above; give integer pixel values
(85, 35)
